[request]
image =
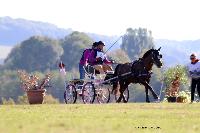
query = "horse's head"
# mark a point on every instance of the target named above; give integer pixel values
(154, 56)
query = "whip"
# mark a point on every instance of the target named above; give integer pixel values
(113, 44)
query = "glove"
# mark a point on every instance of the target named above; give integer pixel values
(98, 59)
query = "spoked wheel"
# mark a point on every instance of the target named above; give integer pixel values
(103, 94)
(88, 93)
(126, 96)
(70, 94)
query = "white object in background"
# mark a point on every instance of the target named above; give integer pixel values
(62, 71)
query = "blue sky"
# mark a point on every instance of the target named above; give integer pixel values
(168, 19)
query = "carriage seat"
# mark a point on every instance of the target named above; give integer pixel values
(91, 70)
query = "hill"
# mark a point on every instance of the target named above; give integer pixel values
(13, 31)
(177, 52)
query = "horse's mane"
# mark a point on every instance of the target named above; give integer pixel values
(147, 53)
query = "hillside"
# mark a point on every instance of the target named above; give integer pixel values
(14, 31)
(177, 52)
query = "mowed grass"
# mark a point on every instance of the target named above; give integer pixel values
(104, 118)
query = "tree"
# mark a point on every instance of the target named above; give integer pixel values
(73, 46)
(136, 41)
(35, 54)
(119, 56)
(9, 85)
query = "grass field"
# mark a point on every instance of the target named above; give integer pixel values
(109, 118)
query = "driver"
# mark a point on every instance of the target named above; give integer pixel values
(99, 60)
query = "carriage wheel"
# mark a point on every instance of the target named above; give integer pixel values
(103, 94)
(88, 93)
(70, 94)
(126, 95)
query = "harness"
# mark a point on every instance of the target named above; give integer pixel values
(135, 73)
(142, 72)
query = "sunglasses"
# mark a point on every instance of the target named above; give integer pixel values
(192, 58)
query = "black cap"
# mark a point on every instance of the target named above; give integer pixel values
(94, 44)
(101, 43)
(192, 56)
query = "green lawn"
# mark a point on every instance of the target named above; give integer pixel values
(110, 118)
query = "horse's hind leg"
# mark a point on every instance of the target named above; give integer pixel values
(121, 92)
(115, 88)
(119, 99)
(124, 88)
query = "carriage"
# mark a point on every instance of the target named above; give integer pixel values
(138, 71)
(94, 87)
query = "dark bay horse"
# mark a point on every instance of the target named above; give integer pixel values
(138, 72)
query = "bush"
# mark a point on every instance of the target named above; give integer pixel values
(174, 77)
(172, 73)
(10, 101)
(22, 99)
(49, 99)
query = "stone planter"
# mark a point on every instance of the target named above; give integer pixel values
(36, 96)
(171, 99)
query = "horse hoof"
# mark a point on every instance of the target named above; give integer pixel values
(156, 97)
(157, 100)
(125, 101)
(118, 101)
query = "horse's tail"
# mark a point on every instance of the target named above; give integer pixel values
(116, 81)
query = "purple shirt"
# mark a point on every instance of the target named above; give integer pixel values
(85, 57)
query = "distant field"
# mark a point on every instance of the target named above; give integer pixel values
(109, 118)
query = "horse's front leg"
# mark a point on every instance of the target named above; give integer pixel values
(147, 86)
(147, 95)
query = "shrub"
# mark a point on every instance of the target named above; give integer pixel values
(10, 101)
(49, 99)
(22, 99)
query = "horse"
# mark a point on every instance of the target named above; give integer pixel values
(138, 71)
